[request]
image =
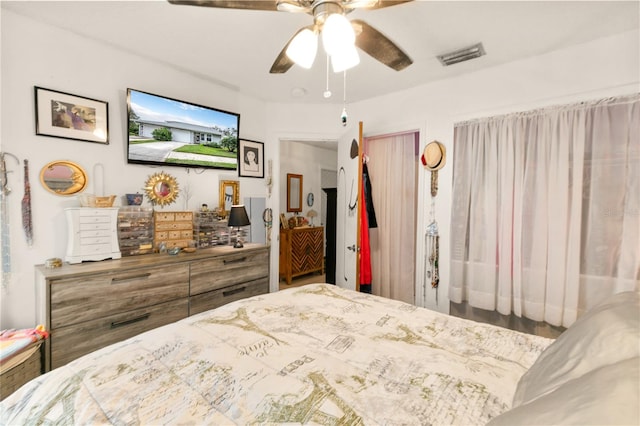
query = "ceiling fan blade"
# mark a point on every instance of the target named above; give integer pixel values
(295, 6)
(282, 62)
(371, 4)
(379, 47)
(230, 4)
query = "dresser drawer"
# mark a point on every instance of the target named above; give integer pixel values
(170, 226)
(213, 274)
(176, 235)
(89, 249)
(85, 218)
(95, 227)
(184, 216)
(213, 299)
(76, 300)
(69, 343)
(95, 239)
(165, 216)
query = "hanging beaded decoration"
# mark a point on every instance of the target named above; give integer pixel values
(433, 159)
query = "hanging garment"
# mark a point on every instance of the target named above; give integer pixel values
(371, 212)
(365, 249)
(27, 223)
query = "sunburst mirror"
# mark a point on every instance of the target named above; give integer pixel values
(162, 189)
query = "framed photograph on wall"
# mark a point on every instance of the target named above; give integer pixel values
(250, 158)
(63, 115)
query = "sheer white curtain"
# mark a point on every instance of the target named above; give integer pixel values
(546, 209)
(392, 168)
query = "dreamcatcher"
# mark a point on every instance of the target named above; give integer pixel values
(433, 159)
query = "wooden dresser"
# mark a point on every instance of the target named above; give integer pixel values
(92, 305)
(301, 251)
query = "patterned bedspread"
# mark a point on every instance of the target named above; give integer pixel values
(314, 354)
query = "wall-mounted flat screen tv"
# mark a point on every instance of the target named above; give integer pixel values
(169, 132)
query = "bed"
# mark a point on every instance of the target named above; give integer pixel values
(324, 355)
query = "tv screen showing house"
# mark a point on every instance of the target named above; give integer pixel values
(170, 132)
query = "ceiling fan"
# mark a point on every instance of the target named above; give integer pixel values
(367, 38)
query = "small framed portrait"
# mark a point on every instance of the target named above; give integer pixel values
(250, 158)
(63, 115)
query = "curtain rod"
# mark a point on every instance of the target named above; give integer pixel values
(612, 100)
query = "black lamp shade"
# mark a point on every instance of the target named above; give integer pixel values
(238, 216)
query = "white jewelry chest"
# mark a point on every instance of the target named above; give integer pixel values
(92, 234)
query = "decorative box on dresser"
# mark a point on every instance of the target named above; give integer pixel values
(135, 230)
(174, 229)
(91, 305)
(92, 234)
(301, 251)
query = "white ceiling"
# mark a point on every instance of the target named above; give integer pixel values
(236, 48)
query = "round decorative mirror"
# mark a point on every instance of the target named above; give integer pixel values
(161, 188)
(63, 178)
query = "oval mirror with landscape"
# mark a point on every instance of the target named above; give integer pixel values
(63, 178)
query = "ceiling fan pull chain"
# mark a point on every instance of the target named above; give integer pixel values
(343, 117)
(327, 92)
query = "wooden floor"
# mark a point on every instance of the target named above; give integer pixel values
(302, 280)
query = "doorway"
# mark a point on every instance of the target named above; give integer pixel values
(392, 163)
(316, 161)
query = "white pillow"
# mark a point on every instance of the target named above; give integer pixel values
(606, 334)
(605, 396)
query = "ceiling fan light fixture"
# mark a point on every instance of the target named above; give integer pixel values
(337, 32)
(303, 48)
(345, 58)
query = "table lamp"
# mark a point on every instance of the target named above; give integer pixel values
(311, 214)
(238, 217)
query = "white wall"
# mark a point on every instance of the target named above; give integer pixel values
(35, 54)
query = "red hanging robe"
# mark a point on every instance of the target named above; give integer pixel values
(365, 249)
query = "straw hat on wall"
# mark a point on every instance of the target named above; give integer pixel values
(434, 156)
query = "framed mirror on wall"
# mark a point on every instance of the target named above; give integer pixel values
(229, 195)
(294, 193)
(161, 189)
(63, 178)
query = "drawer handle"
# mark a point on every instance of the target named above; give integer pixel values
(134, 277)
(232, 292)
(239, 260)
(117, 324)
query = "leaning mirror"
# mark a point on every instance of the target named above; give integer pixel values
(63, 178)
(229, 196)
(294, 193)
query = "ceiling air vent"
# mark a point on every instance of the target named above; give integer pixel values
(462, 55)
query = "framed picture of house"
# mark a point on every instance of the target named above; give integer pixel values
(63, 115)
(250, 158)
